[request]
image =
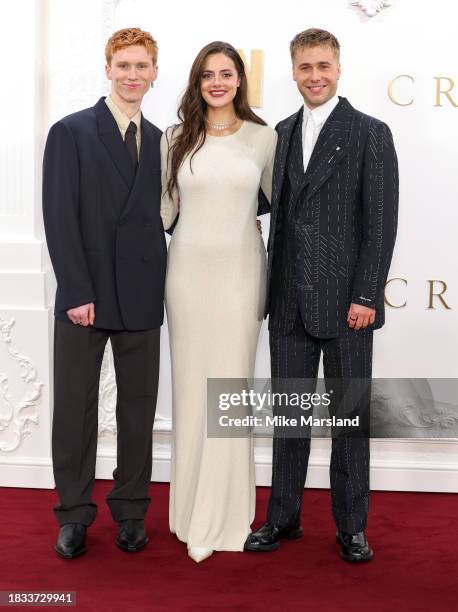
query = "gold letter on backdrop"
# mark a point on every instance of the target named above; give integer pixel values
(254, 76)
(439, 295)
(387, 302)
(390, 90)
(439, 91)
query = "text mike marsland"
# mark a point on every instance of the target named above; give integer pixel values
(282, 421)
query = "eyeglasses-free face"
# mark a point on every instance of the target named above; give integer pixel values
(219, 80)
(131, 73)
(316, 71)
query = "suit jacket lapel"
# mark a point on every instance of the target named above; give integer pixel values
(111, 137)
(332, 144)
(295, 160)
(285, 130)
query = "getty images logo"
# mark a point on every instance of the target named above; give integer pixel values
(260, 401)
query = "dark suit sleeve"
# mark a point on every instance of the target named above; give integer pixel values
(265, 191)
(278, 227)
(61, 219)
(379, 202)
(173, 226)
(263, 204)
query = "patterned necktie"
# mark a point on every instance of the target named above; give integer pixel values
(131, 143)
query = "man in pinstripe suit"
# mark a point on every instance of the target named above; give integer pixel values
(332, 233)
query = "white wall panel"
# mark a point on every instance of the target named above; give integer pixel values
(417, 39)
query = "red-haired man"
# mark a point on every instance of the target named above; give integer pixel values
(101, 207)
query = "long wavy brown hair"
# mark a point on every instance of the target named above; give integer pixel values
(191, 112)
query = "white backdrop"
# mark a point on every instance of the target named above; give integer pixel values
(66, 40)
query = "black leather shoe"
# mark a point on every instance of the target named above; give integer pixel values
(354, 547)
(71, 541)
(132, 535)
(268, 537)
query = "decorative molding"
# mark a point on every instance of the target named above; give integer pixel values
(420, 466)
(413, 408)
(108, 395)
(14, 418)
(371, 7)
(162, 423)
(415, 465)
(32, 472)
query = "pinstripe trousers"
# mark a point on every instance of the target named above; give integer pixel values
(297, 355)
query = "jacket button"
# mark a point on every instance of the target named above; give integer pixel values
(145, 258)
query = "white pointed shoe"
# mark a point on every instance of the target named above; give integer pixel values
(198, 554)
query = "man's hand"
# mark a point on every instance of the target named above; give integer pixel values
(82, 315)
(259, 226)
(360, 317)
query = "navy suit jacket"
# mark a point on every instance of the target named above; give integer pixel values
(102, 220)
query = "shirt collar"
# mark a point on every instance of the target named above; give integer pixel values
(321, 113)
(120, 116)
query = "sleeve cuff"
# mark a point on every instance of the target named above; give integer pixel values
(362, 300)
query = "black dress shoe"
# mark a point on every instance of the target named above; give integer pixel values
(132, 535)
(268, 537)
(354, 547)
(71, 541)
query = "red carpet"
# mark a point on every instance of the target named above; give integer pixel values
(415, 537)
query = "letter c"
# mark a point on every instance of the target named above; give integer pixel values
(391, 93)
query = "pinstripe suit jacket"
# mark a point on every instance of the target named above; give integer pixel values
(332, 228)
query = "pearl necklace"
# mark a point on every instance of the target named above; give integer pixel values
(221, 126)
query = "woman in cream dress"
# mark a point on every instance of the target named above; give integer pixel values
(214, 163)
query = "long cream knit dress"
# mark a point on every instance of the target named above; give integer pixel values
(215, 294)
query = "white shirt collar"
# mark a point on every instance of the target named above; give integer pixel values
(321, 113)
(120, 116)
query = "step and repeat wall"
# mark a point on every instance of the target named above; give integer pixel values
(398, 63)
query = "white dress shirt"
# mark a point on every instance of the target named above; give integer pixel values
(313, 121)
